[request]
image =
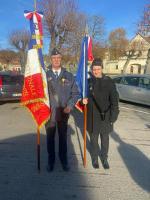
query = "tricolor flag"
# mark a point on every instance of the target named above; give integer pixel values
(82, 82)
(35, 92)
(82, 72)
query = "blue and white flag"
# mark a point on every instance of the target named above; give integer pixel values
(82, 72)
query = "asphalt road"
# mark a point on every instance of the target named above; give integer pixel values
(129, 158)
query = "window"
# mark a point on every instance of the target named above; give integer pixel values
(144, 83)
(116, 66)
(131, 70)
(17, 79)
(118, 79)
(139, 69)
(6, 79)
(12, 80)
(133, 81)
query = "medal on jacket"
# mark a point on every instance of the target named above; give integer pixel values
(49, 78)
(63, 81)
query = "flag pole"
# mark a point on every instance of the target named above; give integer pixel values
(38, 130)
(85, 117)
(84, 131)
(38, 149)
(35, 5)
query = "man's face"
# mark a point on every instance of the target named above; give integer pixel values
(97, 71)
(56, 61)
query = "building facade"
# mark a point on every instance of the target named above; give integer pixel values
(137, 64)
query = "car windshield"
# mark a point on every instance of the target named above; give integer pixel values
(17, 79)
(144, 82)
(117, 79)
(12, 80)
(133, 81)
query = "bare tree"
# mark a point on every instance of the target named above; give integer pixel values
(65, 26)
(61, 19)
(147, 69)
(117, 43)
(20, 39)
(73, 42)
(7, 56)
(143, 28)
(144, 23)
(130, 54)
(99, 50)
(133, 51)
(119, 46)
(96, 27)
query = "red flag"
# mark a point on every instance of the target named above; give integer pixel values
(90, 54)
(35, 92)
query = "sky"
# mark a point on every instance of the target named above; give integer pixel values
(116, 13)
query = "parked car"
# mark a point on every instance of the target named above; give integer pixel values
(134, 88)
(10, 87)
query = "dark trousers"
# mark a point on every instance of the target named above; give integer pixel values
(95, 147)
(62, 133)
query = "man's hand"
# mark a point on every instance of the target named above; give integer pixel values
(67, 110)
(85, 101)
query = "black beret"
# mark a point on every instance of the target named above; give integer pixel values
(97, 62)
(55, 52)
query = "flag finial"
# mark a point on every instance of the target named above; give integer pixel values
(35, 6)
(86, 30)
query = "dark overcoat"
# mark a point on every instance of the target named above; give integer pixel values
(103, 98)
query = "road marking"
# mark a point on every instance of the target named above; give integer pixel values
(135, 110)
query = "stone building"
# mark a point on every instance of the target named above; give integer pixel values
(137, 64)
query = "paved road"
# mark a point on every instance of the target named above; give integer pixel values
(129, 157)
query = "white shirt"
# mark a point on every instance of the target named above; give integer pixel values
(58, 71)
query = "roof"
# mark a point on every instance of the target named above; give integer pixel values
(147, 39)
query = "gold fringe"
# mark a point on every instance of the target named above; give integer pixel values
(37, 46)
(39, 126)
(34, 101)
(37, 36)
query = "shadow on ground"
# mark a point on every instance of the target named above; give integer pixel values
(78, 120)
(20, 180)
(136, 162)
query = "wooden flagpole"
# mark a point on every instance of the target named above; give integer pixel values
(85, 119)
(38, 149)
(84, 132)
(38, 130)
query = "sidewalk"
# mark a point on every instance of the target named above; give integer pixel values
(129, 158)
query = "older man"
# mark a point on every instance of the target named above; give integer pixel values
(63, 95)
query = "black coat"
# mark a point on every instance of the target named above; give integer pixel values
(103, 98)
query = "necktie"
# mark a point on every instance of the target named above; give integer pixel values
(56, 74)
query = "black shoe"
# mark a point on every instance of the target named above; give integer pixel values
(65, 167)
(95, 164)
(50, 168)
(105, 164)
